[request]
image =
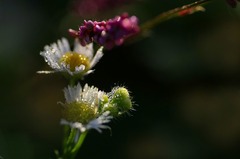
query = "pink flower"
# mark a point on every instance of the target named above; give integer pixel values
(108, 33)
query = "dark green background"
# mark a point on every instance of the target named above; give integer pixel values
(184, 78)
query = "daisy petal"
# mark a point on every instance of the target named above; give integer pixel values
(85, 50)
(63, 45)
(97, 57)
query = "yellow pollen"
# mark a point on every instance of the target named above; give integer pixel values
(79, 112)
(74, 60)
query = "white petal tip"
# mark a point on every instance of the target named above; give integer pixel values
(45, 72)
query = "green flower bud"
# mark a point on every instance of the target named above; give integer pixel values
(121, 100)
(102, 104)
(112, 108)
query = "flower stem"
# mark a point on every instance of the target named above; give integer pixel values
(72, 81)
(78, 144)
(72, 144)
(70, 140)
(173, 13)
(65, 137)
(170, 14)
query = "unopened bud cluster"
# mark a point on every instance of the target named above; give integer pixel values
(119, 101)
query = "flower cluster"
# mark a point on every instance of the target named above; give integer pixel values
(107, 33)
(88, 108)
(233, 3)
(85, 107)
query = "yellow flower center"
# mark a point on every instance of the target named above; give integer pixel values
(79, 112)
(73, 60)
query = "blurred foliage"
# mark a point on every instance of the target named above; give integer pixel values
(183, 77)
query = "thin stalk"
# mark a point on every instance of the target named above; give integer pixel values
(66, 131)
(173, 13)
(72, 81)
(78, 144)
(69, 143)
(170, 14)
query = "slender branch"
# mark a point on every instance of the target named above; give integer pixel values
(78, 144)
(66, 131)
(69, 142)
(170, 14)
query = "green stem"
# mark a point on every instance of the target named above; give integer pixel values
(170, 14)
(173, 13)
(70, 140)
(66, 130)
(72, 81)
(78, 144)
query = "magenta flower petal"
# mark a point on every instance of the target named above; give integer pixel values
(108, 33)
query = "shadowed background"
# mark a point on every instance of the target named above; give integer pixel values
(183, 78)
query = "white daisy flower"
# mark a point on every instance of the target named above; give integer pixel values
(82, 108)
(78, 61)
